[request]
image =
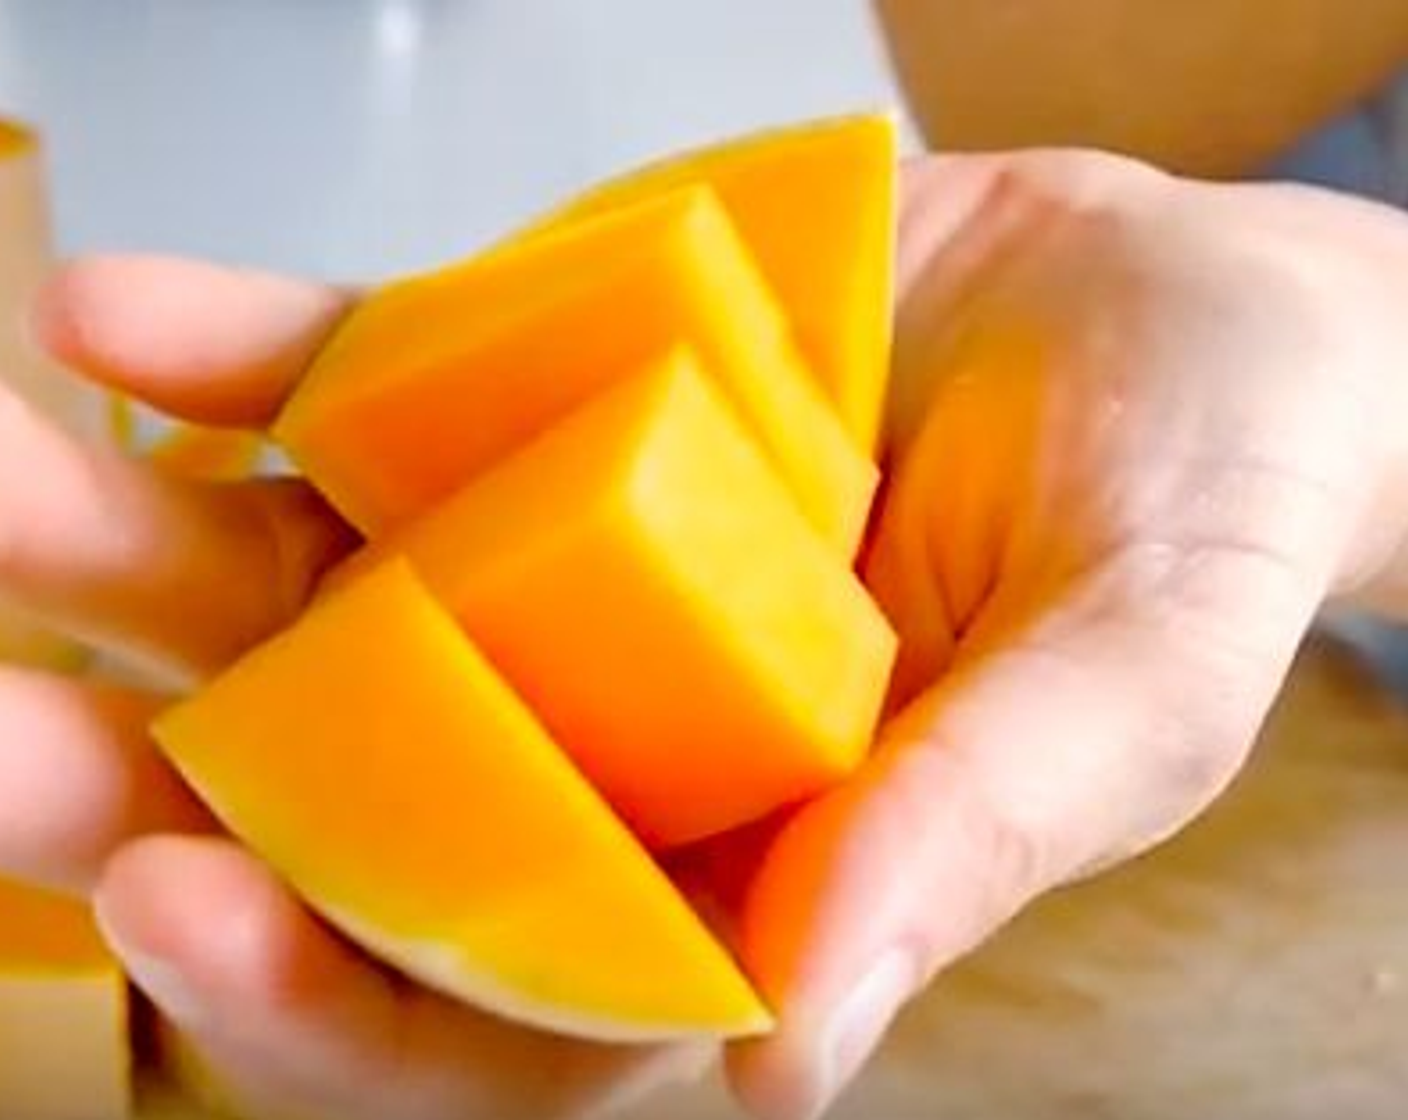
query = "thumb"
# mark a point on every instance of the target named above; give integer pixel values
(1079, 741)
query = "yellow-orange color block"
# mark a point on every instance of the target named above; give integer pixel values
(432, 380)
(64, 1051)
(13, 139)
(816, 203)
(211, 454)
(25, 258)
(375, 759)
(643, 579)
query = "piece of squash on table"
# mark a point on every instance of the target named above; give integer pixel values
(64, 1050)
(816, 203)
(379, 763)
(432, 380)
(642, 578)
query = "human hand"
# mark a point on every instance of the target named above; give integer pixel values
(1142, 428)
(1094, 539)
(287, 1019)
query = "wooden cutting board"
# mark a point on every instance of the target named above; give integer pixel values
(1256, 968)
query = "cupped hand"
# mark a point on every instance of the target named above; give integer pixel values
(1142, 428)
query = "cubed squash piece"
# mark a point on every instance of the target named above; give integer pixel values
(375, 759)
(64, 1051)
(816, 203)
(643, 579)
(432, 380)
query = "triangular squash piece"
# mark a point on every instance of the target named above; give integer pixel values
(816, 203)
(374, 758)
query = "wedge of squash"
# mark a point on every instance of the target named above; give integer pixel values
(433, 380)
(377, 760)
(64, 1051)
(816, 203)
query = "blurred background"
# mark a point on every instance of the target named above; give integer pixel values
(355, 138)
(358, 138)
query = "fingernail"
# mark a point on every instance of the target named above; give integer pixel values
(165, 987)
(862, 1020)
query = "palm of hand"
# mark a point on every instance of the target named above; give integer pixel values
(1133, 421)
(1139, 457)
(1135, 425)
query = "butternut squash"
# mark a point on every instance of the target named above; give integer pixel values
(816, 203)
(434, 379)
(377, 760)
(643, 579)
(64, 1052)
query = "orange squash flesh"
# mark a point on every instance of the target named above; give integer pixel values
(46, 933)
(25, 257)
(211, 454)
(642, 578)
(64, 1051)
(187, 450)
(433, 380)
(13, 139)
(374, 758)
(816, 203)
(615, 472)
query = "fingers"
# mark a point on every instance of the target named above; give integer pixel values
(178, 573)
(866, 893)
(1075, 740)
(293, 1023)
(78, 778)
(200, 342)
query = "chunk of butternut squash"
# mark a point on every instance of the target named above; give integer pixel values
(64, 1051)
(25, 257)
(433, 380)
(615, 471)
(642, 578)
(816, 203)
(374, 757)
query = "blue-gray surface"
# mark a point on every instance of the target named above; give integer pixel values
(360, 137)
